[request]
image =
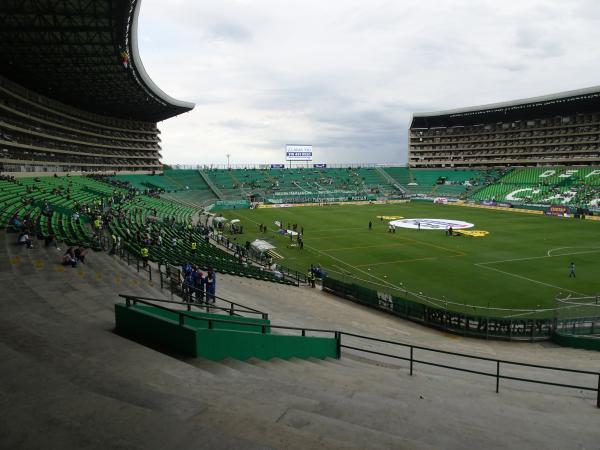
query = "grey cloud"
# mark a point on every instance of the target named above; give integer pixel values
(349, 81)
(230, 31)
(539, 41)
(239, 124)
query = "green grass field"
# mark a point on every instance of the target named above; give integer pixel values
(522, 264)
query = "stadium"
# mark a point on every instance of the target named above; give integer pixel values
(452, 301)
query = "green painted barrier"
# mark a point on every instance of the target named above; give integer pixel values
(220, 344)
(191, 337)
(153, 329)
(577, 341)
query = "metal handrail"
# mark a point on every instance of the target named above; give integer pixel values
(481, 358)
(135, 299)
(411, 359)
(498, 362)
(183, 284)
(232, 311)
(126, 254)
(123, 253)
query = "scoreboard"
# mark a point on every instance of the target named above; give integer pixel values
(294, 152)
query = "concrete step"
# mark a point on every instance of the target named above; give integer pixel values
(63, 413)
(340, 405)
(353, 434)
(271, 434)
(331, 377)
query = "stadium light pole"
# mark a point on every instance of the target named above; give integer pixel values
(228, 155)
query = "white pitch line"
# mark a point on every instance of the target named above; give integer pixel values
(355, 268)
(528, 279)
(549, 253)
(342, 269)
(538, 257)
(537, 311)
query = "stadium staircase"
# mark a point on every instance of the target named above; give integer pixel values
(213, 187)
(243, 191)
(390, 179)
(74, 381)
(172, 180)
(401, 175)
(178, 198)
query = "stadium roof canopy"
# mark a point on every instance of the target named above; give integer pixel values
(580, 101)
(83, 53)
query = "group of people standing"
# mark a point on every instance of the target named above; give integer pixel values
(197, 285)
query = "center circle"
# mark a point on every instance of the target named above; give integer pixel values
(431, 224)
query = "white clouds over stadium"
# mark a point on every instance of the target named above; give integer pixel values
(346, 75)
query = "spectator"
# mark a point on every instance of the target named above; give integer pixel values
(188, 283)
(211, 284)
(15, 222)
(310, 278)
(145, 254)
(51, 240)
(199, 282)
(69, 258)
(24, 239)
(113, 249)
(80, 254)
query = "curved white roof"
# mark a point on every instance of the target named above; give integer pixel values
(137, 60)
(595, 90)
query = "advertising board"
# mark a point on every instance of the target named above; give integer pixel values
(294, 152)
(558, 210)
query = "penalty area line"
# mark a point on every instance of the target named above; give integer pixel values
(550, 255)
(528, 279)
(538, 257)
(398, 261)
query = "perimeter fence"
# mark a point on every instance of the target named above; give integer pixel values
(583, 319)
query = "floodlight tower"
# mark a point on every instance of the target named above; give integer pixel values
(228, 155)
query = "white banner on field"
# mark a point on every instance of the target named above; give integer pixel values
(431, 224)
(295, 152)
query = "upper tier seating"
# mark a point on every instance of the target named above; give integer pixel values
(439, 182)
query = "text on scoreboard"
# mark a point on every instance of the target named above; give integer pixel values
(298, 152)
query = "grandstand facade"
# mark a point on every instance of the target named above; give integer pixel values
(554, 130)
(74, 94)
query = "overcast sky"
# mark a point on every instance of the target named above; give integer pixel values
(345, 75)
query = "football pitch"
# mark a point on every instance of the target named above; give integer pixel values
(523, 263)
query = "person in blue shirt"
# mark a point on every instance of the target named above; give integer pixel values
(188, 285)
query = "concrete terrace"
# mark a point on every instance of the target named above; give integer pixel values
(69, 381)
